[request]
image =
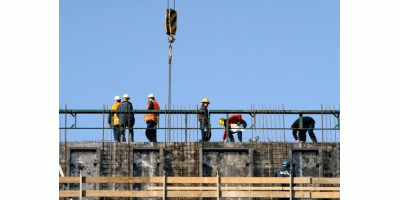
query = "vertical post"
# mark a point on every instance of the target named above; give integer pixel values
(218, 182)
(185, 127)
(291, 172)
(164, 187)
(227, 128)
(103, 123)
(284, 128)
(200, 161)
(162, 164)
(321, 163)
(291, 182)
(80, 185)
(322, 125)
(252, 121)
(251, 165)
(301, 121)
(255, 126)
(201, 164)
(65, 141)
(130, 166)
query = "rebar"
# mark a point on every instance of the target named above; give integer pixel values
(185, 126)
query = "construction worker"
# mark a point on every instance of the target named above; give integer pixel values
(308, 122)
(204, 120)
(113, 119)
(233, 119)
(151, 118)
(285, 171)
(126, 118)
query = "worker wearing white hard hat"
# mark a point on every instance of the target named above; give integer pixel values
(126, 118)
(151, 118)
(113, 119)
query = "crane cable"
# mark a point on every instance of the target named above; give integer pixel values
(170, 32)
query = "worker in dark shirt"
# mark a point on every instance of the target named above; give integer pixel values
(308, 122)
(126, 118)
(204, 120)
(285, 171)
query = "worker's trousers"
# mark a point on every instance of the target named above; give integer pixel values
(303, 136)
(116, 132)
(122, 133)
(151, 132)
(232, 139)
(205, 132)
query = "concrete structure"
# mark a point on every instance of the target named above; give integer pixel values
(195, 160)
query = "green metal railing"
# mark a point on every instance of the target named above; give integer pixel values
(252, 113)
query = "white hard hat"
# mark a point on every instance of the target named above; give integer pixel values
(117, 98)
(126, 96)
(151, 95)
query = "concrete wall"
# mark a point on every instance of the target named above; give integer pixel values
(196, 159)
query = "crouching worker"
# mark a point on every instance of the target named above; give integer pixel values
(233, 120)
(151, 119)
(309, 123)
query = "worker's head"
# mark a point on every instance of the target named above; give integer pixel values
(205, 102)
(222, 121)
(117, 99)
(151, 96)
(286, 163)
(126, 97)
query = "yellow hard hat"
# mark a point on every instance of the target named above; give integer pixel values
(205, 100)
(222, 121)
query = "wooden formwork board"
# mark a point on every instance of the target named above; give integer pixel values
(184, 188)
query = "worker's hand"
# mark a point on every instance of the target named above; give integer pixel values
(222, 140)
(298, 141)
(244, 124)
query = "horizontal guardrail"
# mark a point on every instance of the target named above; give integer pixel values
(83, 111)
(237, 188)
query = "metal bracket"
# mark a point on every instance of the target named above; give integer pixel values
(253, 117)
(338, 121)
(74, 116)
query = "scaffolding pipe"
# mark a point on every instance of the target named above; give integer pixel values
(83, 111)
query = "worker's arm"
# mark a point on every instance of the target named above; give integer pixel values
(151, 106)
(295, 134)
(109, 117)
(244, 123)
(224, 135)
(130, 108)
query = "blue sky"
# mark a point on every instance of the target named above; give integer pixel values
(278, 54)
(34, 75)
